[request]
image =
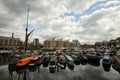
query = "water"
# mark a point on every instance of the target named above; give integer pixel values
(81, 72)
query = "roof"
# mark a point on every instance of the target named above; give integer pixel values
(106, 57)
(69, 57)
(8, 37)
(53, 58)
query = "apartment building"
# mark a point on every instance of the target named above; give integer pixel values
(58, 43)
(9, 42)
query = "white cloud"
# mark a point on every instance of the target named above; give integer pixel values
(44, 16)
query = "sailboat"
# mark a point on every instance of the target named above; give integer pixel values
(24, 62)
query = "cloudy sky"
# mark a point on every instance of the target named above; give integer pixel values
(86, 20)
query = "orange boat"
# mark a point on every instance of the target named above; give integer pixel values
(24, 61)
(23, 64)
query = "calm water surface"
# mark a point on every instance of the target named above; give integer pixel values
(81, 72)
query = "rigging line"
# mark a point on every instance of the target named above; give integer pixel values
(30, 37)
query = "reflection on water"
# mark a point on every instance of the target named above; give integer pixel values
(97, 63)
(81, 72)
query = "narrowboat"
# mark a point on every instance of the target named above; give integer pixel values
(41, 58)
(70, 62)
(46, 60)
(83, 59)
(92, 56)
(32, 66)
(61, 61)
(76, 59)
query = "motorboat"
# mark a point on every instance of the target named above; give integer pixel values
(106, 62)
(52, 64)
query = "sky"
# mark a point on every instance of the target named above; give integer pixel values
(88, 21)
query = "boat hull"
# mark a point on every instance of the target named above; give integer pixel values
(52, 70)
(77, 62)
(46, 61)
(21, 69)
(32, 68)
(70, 66)
(115, 67)
(93, 58)
(106, 66)
(83, 60)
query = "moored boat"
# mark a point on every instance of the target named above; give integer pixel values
(92, 56)
(83, 59)
(32, 66)
(116, 62)
(46, 60)
(41, 58)
(70, 62)
(106, 62)
(23, 64)
(52, 64)
(61, 61)
(76, 59)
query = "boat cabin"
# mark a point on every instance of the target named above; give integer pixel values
(106, 58)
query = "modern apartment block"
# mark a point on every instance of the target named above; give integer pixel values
(58, 43)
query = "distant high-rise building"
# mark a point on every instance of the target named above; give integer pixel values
(77, 43)
(36, 42)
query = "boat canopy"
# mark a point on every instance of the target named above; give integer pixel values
(45, 53)
(106, 56)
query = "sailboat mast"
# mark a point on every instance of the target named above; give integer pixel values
(26, 29)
